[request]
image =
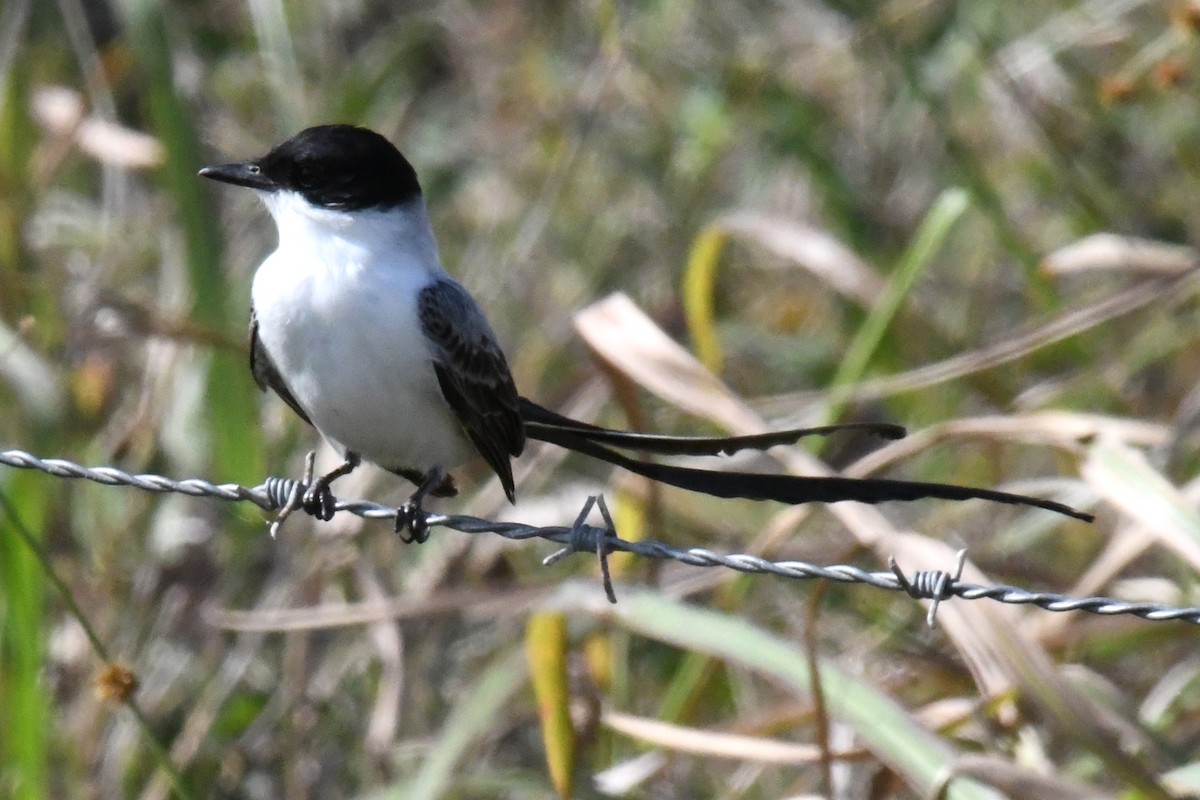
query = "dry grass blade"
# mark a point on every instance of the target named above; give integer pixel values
(623, 777)
(1064, 430)
(389, 647)
(1069, 324)
(811, 249)
(483, 602)
(1125, 478)
(1112, 252)
(1126, 544)
(1022, 782)
(628, 340)
(61, 112)
(717, 744)
(1123, 547)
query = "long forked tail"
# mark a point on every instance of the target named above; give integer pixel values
(589, 440)
(539, 421)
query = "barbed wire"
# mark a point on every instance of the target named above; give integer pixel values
(935, 585)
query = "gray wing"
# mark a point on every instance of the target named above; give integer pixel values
(265, 373)
(473, 375)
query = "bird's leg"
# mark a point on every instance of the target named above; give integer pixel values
(447, 488)
(318, 499)
(410, 518)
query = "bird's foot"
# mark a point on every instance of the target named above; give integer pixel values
(410, 523)
(318, 500)
(411, 520)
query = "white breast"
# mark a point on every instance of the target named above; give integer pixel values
(337, 312)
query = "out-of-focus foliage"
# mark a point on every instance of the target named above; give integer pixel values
(791, 153)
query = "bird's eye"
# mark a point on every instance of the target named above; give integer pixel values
(306, 175)
(254, 169)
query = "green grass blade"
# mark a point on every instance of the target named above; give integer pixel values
(24, 701)
(947, 210)
(232, 399)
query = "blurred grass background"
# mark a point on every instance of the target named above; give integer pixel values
(974, 219)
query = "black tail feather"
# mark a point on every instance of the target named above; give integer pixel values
(790, 489)
(539, 420)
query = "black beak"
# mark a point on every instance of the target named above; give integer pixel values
(246, 173)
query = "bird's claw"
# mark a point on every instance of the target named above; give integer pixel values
(319, 500)
(410, 523)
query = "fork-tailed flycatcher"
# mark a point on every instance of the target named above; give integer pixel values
(357, 327)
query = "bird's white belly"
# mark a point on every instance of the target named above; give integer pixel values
(349, 346)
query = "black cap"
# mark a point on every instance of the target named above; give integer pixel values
(333, 166)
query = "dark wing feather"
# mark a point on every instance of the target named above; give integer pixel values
(265, 373)
(473, 375)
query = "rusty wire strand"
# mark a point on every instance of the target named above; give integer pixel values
(274, 494)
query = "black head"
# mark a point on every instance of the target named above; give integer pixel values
(333, 166)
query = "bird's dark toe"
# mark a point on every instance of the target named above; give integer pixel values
(410, 524)
(319, 501)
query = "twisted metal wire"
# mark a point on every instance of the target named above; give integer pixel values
(936, 585)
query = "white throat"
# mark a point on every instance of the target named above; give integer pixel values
(393, 238)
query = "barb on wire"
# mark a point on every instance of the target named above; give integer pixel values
(295, 497)
(932, 585)
(275, 493)
(584, 539)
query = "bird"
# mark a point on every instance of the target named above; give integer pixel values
(359, 329)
